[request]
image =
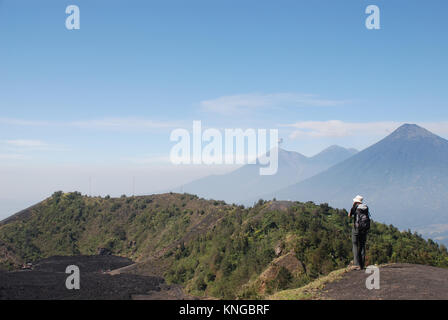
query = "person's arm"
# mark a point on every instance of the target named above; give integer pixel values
(352, 211)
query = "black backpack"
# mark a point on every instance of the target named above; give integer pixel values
(362, 218)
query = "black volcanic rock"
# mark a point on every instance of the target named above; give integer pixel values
(47, 280)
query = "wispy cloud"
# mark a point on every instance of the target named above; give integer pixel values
(28, 146)
(123, 124)
(247, 102)
(23, 122)
(338, 128)
(26, 143)
(114, 124)
(12, 156)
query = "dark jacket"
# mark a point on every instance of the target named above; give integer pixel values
(353, 213)
(353, 210)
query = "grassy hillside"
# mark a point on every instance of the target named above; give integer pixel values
(311, 291)
(210, 247)
(134, 227)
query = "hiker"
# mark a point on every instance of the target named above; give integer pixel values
(361, 225)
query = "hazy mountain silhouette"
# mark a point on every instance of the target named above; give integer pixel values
(245, 184)
(403, 177)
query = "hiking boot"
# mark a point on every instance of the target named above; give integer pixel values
(353, 267)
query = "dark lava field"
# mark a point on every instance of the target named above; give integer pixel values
(46, 281)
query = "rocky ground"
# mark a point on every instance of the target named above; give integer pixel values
(397, 282)
(47, 281)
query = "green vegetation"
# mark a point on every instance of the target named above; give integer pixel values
(235, 253)
(135, 227)
(312, 290)
(211, 248)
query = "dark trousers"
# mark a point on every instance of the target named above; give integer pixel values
(359, 248)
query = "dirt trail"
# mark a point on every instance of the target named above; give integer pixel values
(397, 282)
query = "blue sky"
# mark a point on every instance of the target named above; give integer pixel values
(109, 94)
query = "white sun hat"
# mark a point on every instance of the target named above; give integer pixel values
(358, 198)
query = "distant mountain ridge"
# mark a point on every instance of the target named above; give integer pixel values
(404, 178)
(245, 183)
(334, 154)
